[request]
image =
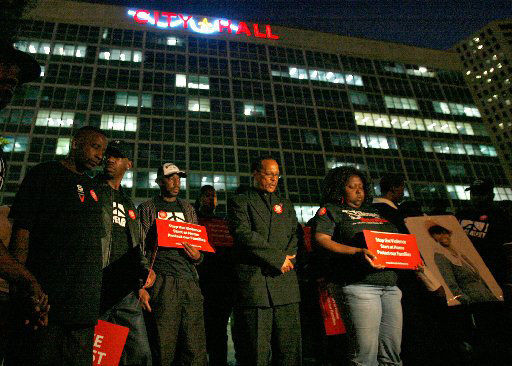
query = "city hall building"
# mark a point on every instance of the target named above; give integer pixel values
(212, 94)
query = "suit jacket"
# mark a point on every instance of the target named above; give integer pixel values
(262, 239)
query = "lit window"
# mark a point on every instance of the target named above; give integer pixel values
(333, 163)
(127, 181)
(321, 75)
(127, 99)
(396, 68)
(147, 100)
(43, 69)
(378, 142)
(54, 118)
(33, 47)
(400, 103)
(120, 55)
(443, 147)
(502, 193)
(70, 50)
(457, 192)
(456, 109)
(194, 81)
(118, 122)
(305, 213)
(414, 123)
(152, 180)
(16, 144)
(62, 146)
(358, 98)
(420, 71)
(199, 105)
(254, 109)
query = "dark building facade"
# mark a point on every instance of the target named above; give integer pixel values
(486, 57)
(212, 101)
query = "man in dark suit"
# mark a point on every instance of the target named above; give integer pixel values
(266, 314)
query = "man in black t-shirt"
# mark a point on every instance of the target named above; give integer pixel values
(177, 323)
(125, 269)
(490, 230)
(56, 231)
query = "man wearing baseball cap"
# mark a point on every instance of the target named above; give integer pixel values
(177, 324)
(126, 271)
(489, 228)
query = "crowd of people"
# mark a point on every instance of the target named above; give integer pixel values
(77, 250)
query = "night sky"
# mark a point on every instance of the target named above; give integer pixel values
(425, 23)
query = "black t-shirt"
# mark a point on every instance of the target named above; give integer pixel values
(345, 225)
(171, 261)
(120, 277)
(120, 235)
(62, 212)
(489, 229)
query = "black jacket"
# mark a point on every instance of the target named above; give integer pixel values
(262, 239)
(139, 260)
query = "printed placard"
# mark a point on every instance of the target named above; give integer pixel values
(218, 232)
(393, 250)
(330, 312)
(173, 234)
(109, 340)
(453, 261)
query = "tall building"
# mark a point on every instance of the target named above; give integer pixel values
(487, 60)
(211, 95)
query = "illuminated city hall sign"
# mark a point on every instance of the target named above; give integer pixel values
(163, 20)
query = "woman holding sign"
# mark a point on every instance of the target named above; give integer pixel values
(367, 293)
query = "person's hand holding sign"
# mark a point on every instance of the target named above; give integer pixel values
(370, 257)
(192, 252)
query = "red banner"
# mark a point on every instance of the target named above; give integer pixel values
(109, 340)
(218, 232)
(173, 234)
(330, 312)
(393, 250)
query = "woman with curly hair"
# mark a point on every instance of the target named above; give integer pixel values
(367, 293)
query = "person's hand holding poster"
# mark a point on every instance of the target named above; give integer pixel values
(393, 250)
(173, 234)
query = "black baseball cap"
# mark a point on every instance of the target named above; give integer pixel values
(29, 68)
(119, 149)
(481, 186)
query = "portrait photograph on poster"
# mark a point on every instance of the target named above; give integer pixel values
(450, 256)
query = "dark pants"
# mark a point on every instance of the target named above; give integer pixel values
(176, 324)
(265, 333)
(216, 319)
(52, 345)
(128, 313)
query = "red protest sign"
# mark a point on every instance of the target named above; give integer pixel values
(393, 250)
(218, 232)
(109, 340)
(330, 312)
(172, 234)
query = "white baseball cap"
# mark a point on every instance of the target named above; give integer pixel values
(169, 169)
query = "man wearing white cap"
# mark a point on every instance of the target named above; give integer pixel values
(176, 327)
